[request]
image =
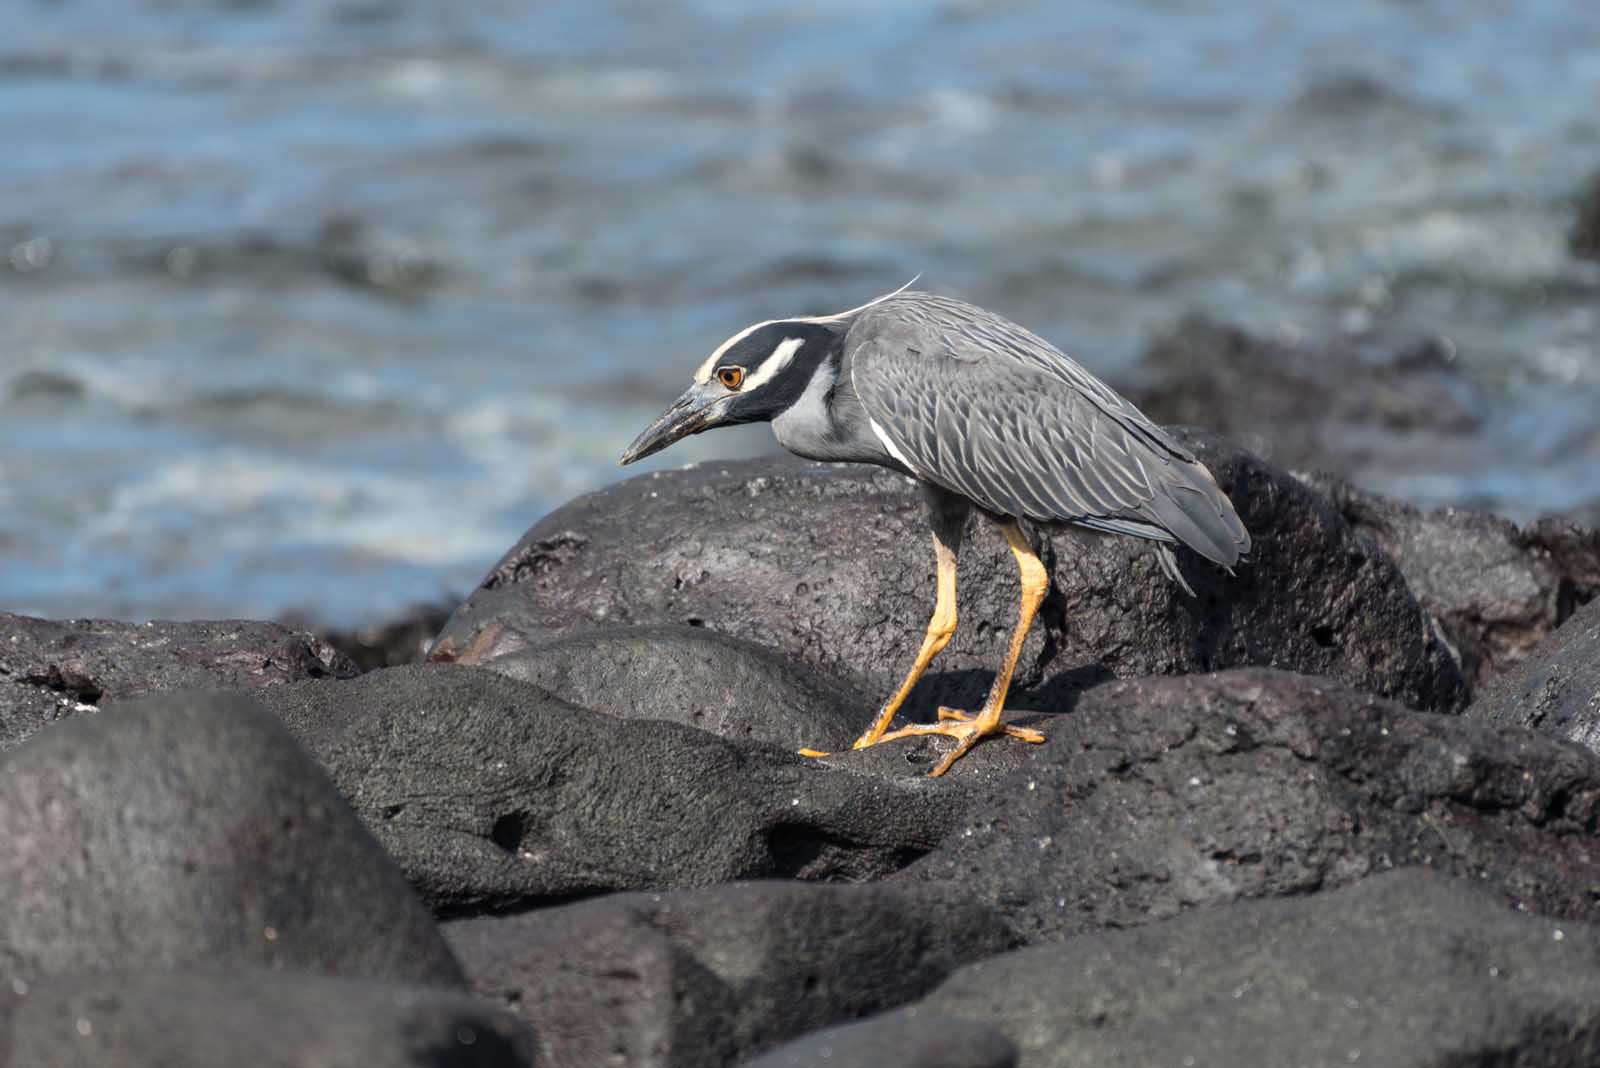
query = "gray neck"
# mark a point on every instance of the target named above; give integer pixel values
(827, 421)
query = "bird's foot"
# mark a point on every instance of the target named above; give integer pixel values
(968, 730)
(812, 752)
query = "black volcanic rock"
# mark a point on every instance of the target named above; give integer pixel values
(694, 676)
(51, 670)
(1162, 794)
(1496, 589)
(490, 792)
(699, 977)
(1408, 968)
(1557, 689)
(190, 829)
(833, 565)
(259, 1018)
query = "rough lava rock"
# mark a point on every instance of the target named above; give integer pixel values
(260, 1018)
(910, 1038)
(1584, 238)
(1496, 589)
(50, 670)
(1557, 689)
(191, 829)
(699, 977)
(490, 792)
(1162, 794)
(834, 565)
(1409, 968)
(697, 677)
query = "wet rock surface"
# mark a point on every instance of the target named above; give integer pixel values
(1557, 689)
(834, 565)
(1159, 795)
(715, 975)
(191, 829)
(201, 1019)
(490, 792)
(1496, 589)
(689, 675)
(1406, 968)
(51, 669)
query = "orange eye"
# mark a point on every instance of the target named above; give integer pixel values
(731, 377)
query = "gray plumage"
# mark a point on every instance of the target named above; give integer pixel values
(985, 409)
(980, 408)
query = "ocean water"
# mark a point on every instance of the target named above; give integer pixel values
(314, 307)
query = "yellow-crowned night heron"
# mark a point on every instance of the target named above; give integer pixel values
(982, 413)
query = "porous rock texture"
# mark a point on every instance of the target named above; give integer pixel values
(1409, 968)
(705, 977)
(1496, 589)
(1162, 794)
(264, 1019)
(490, 792)
(51, 669)
(1557, 688)
(188, 829)
(732, 688)
(833, 564)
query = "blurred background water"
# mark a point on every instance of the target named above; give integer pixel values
(314, 306)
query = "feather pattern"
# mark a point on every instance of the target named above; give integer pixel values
(983, 408)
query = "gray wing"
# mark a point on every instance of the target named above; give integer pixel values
(982, 407)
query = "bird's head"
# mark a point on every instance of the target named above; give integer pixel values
(751, 377)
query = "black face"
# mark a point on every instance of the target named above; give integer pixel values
(752, 377)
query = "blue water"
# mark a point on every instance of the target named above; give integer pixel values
(315, 306)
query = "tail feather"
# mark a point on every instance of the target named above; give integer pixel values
(1197, 512)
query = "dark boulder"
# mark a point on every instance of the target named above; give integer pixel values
(1158, 795)
(52, 669)
(1496, 589)
(834, 565)
(1330, 405)
(694, 676)
(260, 1018)
(907, 1039)
(491, 792)
(1557, 689)
(1584, 238)
(191, 829)
(700, 977)
(1409, 968)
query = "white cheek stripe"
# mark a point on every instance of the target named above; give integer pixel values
(703, 374)
(772, 365)
(893, 451)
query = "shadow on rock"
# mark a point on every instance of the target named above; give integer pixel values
(700, 977)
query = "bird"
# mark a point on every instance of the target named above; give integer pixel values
(984, 415)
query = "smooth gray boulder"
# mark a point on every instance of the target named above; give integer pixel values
(55, 669)
(1409, 968)
(697, 677)
(259, 1018)
(1164, 794)
(910, 1038)
(1557, 688)
(491, 793)
(833, 565)
(186, 829)
(698, 977)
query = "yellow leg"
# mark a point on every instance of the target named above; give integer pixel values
(967, 729)
(940, 627)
